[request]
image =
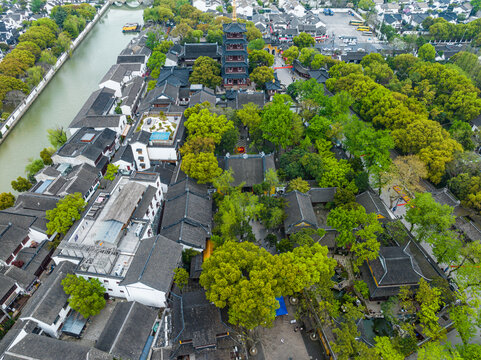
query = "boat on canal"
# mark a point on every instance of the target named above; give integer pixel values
(131, 27)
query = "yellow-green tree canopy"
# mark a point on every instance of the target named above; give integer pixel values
(248, 279)
(86, 296)
(67, 211)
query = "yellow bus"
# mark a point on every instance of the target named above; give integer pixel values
(356, 22)
(363, 28)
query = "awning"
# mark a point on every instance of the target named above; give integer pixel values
(126, 130)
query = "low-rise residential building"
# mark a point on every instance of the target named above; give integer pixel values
(88, 146)
(187, 217)
(116, 229)
(98, 112)
(198, 329)
(127, 319)
(48, 307)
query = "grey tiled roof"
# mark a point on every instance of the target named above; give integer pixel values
(187, 214)
(127, 330)
(196, 319)
(91, 150)
(124, 154)
(373, 204)
(299, 212)
(116, 73)
(20, 276)
(154, 263)
(193, 51)
(6, 283)
(50, 298)
(98, 104)
(249, 169)
(322, 195)
(34, 346)
(11, 237)
(146, 200)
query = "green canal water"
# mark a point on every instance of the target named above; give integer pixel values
(66, 93)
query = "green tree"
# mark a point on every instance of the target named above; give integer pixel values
(34, 167)
(253, 33)
(307, 55)
(21, 184)
(236, 210)
(223, 183)
(34, 76)
(6, 200)
(181, 277)
(48, 57)
(434, 350)
(156, 60)
(386, 350)
(277, 121)
(257, 44)
(259, 58)
(476, 5)
(428, 216)
(206, 71)
(37, 5)
(67, 211)
(291, 54)
(261, 75)
(247, 279)
(430, 301)
(249, 115)
(214, 36)
(373, 145)
(366, 5)
(205, 124)
(57, 137)
(64, 41)
(111, 173)
(304, 40)
(427, 52)
(299, 185)
(30, 46)
(46, 155)
(86, 296)
(228, 142)
(202, 166)
(358, 228)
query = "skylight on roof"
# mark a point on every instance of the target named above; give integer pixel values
(87, 137)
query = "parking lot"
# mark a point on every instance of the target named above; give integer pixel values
(338, 25)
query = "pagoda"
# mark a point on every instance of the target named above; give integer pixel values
(235, 73)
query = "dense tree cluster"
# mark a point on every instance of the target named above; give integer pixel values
(206, 131)
(40, 45)
(248, 279)
(404, 112)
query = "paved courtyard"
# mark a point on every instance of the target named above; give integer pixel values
(281, 342)
(95, 326)
(338, 25)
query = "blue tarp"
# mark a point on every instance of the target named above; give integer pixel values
(282, 309)
(145, 351)
(160, 135)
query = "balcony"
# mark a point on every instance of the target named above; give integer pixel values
(235, 71)
(234, 59)
(234, 47)
(234, 36)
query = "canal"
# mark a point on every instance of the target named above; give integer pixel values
(66, 93)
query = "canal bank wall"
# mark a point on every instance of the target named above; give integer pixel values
(7, 126)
